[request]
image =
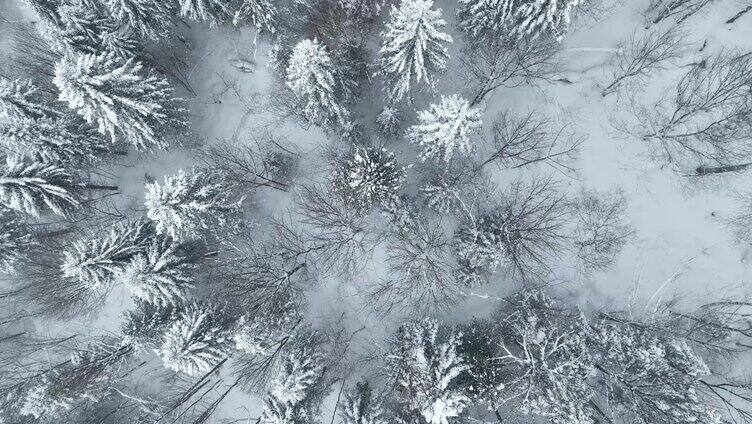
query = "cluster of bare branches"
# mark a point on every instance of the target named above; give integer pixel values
(707, 117)
(679, 10)
(519, 141)
(260, 162)
(328, 235)
(640, 56)
(602, 230)
(421, 269)
(498, 62)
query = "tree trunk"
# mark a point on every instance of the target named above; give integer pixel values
(739, 15)
(709, 170)
(101, 187)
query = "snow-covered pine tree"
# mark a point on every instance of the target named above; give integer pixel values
(15, 240)
(214, 12)
(517, 18)
(66, 141)
(425, 367)
(147, 18)
(368, 176)
(87, 28)
(199, 340)
(144, 326)
(412, 47)
(352, 62)
(362, 407)
(122, 98)
(30, 186)
(187, 206)
(310, 76)
(362, 10)
(259, 13)
(445, 129)
(388, 121)
(94, 262)
(161, 273)
(289, 399)
(262, 333)
(86, 377)
(21, 99)
(485, 381)
(481, 18)
(548, 361)
(649, 377)
(482, 248)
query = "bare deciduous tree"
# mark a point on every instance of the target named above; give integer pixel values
(681, 10)
(602, 230)
(330, 237)
(519, 236)
(507, 62)
(708, 117)
(519, 141)
(420, 265)
(262, 163)
(640, 55)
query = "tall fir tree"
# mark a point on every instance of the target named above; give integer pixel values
(389, 121)
(214, 12)
(145, 325)
(517, 18)
(480, 18)
(121, 98)
(161, 274)
(67, 140)
(362, 10)
(94, 262)
(290, 399)
(310, 75)
(86, 377)
(650, 377)
(87, 28)
(31, 186)
(413, 47)
(21, 99)
(148, 18)
(188, 206)
(446, 129)
(199, 340)
(262, 333)
(362, 407)
(259, 13)
(368, 176)
(425, 367)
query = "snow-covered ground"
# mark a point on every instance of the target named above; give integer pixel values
(682, 243)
